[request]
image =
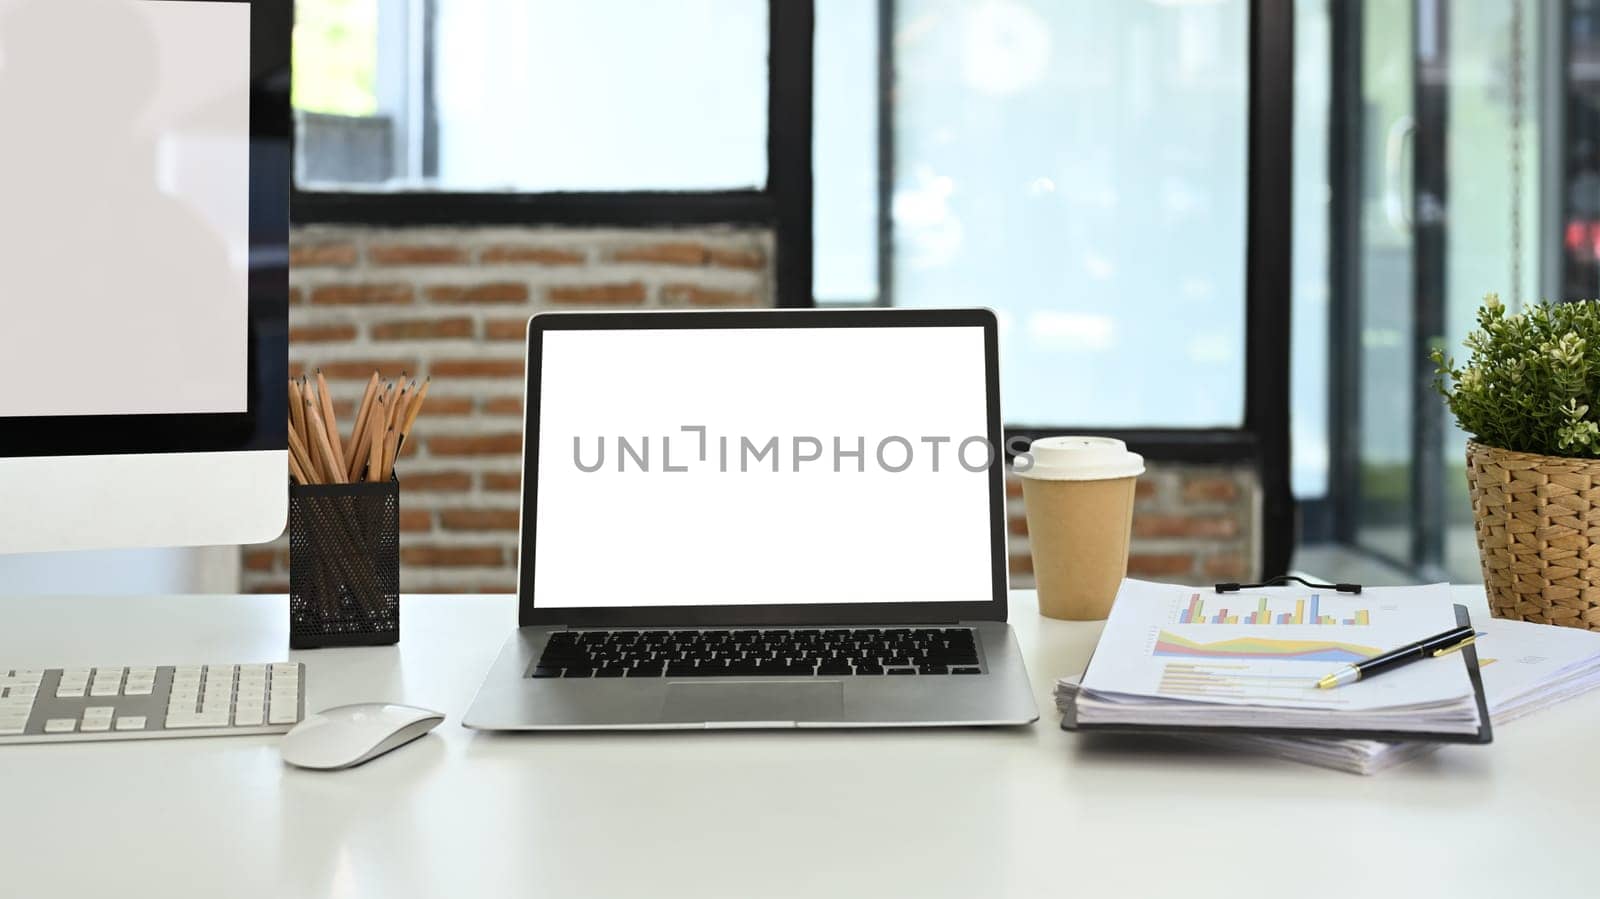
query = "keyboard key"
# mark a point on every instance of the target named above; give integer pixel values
(645, 671)
(97, 719)
(249, 714)
(60, 725)
(900, 671)
(577, 672)
(283, 713)
(967, 669)
(130, 722)
(610, 672)
(546, 672)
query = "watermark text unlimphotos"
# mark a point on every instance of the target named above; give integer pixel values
(693, 447)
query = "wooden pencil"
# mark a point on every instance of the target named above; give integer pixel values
(298, 452)
(360, 442)
(368, 436)
(400, 402)
(328, 419)
(391, 448)
(323, 446)
(299, 474)
(362, 411)
(297, 414)
(355, 450)
(414, 410)
(375, 447)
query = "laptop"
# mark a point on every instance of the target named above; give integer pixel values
(761, 519)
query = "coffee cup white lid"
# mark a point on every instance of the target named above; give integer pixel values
(1080, 459)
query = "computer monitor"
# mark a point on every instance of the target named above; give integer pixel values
(144, 194)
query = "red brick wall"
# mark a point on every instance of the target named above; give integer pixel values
(452, 303)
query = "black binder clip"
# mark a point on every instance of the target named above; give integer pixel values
(1281, 579)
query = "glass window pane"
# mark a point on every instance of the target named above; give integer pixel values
(335, 62)
(1081, 167)
(845, 152)
(532, 95)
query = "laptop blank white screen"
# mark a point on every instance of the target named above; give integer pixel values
(774, 506)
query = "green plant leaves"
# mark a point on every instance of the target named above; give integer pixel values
(1532, 379)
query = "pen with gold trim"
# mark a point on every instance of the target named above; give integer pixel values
(1453, 640)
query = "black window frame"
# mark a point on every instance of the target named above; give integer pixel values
(785, 206)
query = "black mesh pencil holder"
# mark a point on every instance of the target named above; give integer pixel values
(344, 564)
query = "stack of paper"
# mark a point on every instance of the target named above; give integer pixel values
(1182, 657)
(1525, 667)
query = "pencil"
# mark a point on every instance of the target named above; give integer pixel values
(299, 453)
(297, 414)
(414, 411)
(363, 441)
(328, 419)
(399, 406)
(296, 471)
(351, 453)
(391, 447)
(323, 446)
(375, 448)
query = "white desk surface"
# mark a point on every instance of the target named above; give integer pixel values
(971, 813)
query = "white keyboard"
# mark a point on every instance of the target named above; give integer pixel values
(115, 702)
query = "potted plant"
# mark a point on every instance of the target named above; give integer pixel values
(1528, 396)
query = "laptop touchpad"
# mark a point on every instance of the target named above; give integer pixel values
(816, 701)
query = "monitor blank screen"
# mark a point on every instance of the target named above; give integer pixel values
(124, 207)
(762, 466)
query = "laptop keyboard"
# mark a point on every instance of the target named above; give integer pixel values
(742, 653)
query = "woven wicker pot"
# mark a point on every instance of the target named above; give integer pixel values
(1538, 523)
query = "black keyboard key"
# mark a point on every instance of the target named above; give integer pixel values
(680, 669)
(966, 669)
(645, 671)
(933, 669)
(900, 671)
(546, 672)
(577, 672)
(836, 666)
(610, 671)
(868, 668)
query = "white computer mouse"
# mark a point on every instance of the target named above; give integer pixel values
(347, 735)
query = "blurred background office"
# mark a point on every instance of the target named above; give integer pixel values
(1112, 178)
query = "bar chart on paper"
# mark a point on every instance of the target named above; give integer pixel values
(1268, 646)
(1238, 609)
(1337, 652)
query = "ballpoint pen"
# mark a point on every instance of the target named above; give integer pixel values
(1452, 640)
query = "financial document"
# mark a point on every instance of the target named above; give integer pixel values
(1173, 654)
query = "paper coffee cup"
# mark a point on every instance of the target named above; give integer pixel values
(1078, 495)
